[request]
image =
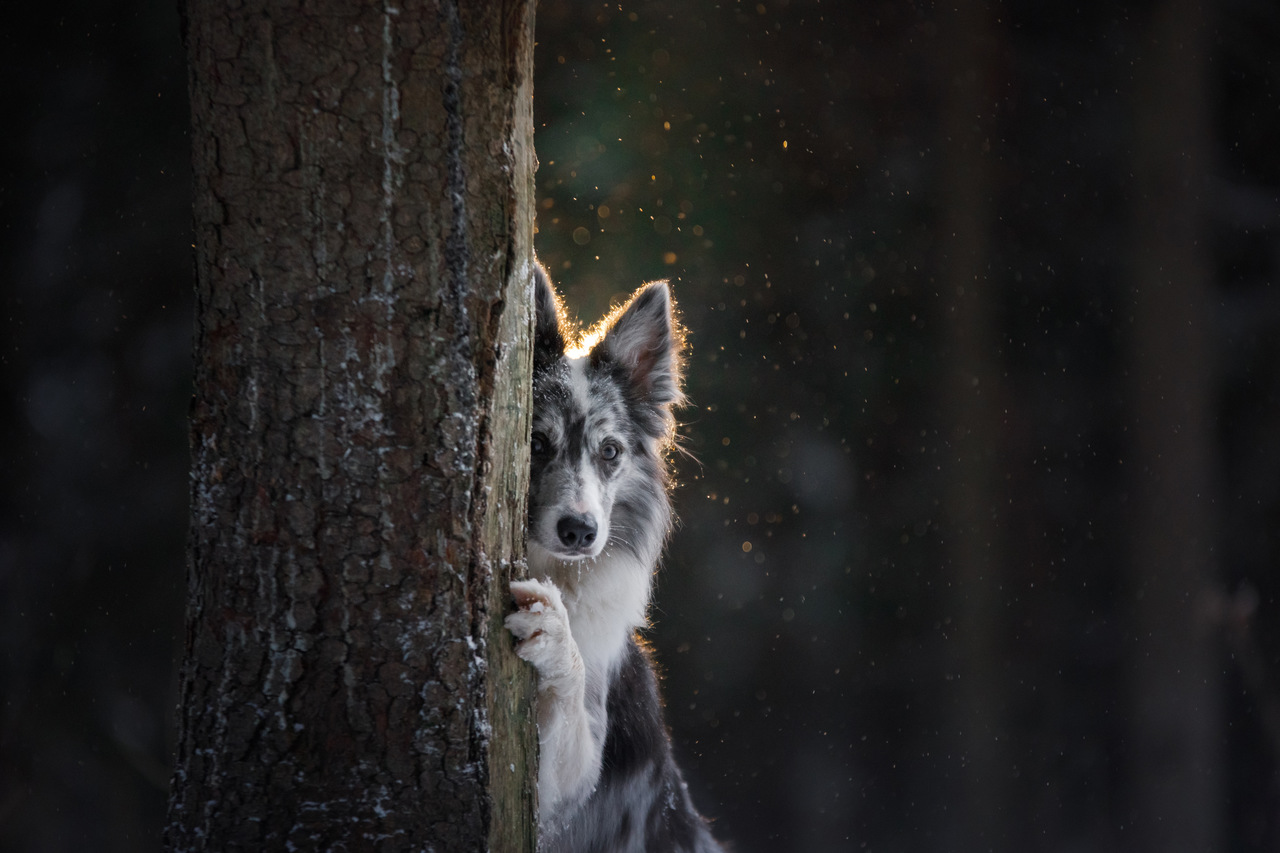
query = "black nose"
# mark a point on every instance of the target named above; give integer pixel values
(576, 531)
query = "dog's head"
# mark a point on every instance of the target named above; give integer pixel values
(601, 422)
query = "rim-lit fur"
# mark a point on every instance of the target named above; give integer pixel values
(598, 518)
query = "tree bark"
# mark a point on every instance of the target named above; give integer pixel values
(1175, 720)
(363, 221)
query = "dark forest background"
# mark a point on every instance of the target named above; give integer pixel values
(980, 534)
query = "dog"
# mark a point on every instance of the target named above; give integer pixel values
(599, 515)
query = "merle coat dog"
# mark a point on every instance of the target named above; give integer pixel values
(598, 518)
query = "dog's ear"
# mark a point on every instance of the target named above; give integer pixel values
(548, 336)
(645, 339)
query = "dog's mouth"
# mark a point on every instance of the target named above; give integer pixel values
(571, 555)
(576, 553)
(575, 557)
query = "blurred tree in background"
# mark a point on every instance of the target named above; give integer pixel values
(903, 611)
(1173, 740)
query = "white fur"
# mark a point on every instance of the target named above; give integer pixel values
(578, 381)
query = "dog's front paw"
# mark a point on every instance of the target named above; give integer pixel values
(541, 624)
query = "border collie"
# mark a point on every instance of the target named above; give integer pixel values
(598, 518)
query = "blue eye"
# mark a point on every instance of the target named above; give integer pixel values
(609, 451)
(539, 443)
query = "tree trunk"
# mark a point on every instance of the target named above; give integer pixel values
(363, 221)
(972, 501)
(1175, 763)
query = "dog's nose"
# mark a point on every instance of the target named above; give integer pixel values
(576, 531)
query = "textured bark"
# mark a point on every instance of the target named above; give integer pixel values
(972, 497)
(363, 220)
(1175, 749)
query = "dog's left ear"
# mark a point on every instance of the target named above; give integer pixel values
(645, 340)
(548, 335)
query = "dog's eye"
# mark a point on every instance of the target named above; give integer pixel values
(539, 443)
(609, 451)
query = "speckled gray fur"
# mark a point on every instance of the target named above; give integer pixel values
(598, 518)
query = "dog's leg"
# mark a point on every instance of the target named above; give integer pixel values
(571, 747)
